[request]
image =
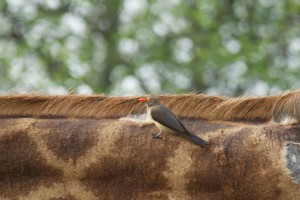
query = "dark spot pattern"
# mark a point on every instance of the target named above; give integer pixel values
(240, 176)
(243, 161)
(70, 139)
(22, 168)
(136, 167)
(68, 197)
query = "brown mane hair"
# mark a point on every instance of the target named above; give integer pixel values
(184, 105)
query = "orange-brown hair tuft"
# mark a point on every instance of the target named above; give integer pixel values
(184, 105)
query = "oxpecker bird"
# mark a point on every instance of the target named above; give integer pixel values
(166, 121)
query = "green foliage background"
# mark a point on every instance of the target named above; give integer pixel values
(139, 46)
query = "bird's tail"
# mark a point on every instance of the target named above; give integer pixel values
(195, 139)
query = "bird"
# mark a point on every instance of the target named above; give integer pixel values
(167, 121)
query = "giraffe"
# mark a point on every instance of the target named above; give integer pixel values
(101, 147)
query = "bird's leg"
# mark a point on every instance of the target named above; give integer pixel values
(157, 135)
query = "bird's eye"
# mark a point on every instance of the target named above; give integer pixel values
(148, 99)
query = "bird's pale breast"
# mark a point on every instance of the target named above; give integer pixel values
(159, 126)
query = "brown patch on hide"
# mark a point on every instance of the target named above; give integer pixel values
(70, 139)
(203, 126)
(12, 125)
(239, 167)
(68, 197)
(243, 161)
(4, 123)
(135, 166)
(22, 169)
(283, 133)
(211, 177)
(257, 109)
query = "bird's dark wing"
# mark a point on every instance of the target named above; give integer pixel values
(164, 116)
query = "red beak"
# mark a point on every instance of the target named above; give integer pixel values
(142, 99)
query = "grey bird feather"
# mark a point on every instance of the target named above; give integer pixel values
(165, 120)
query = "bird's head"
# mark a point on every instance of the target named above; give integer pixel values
(149, 101)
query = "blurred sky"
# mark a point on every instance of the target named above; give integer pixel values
(28, 73)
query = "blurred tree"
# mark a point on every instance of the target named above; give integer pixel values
(137, 46)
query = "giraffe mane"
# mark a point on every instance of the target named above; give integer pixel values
(184, 105)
